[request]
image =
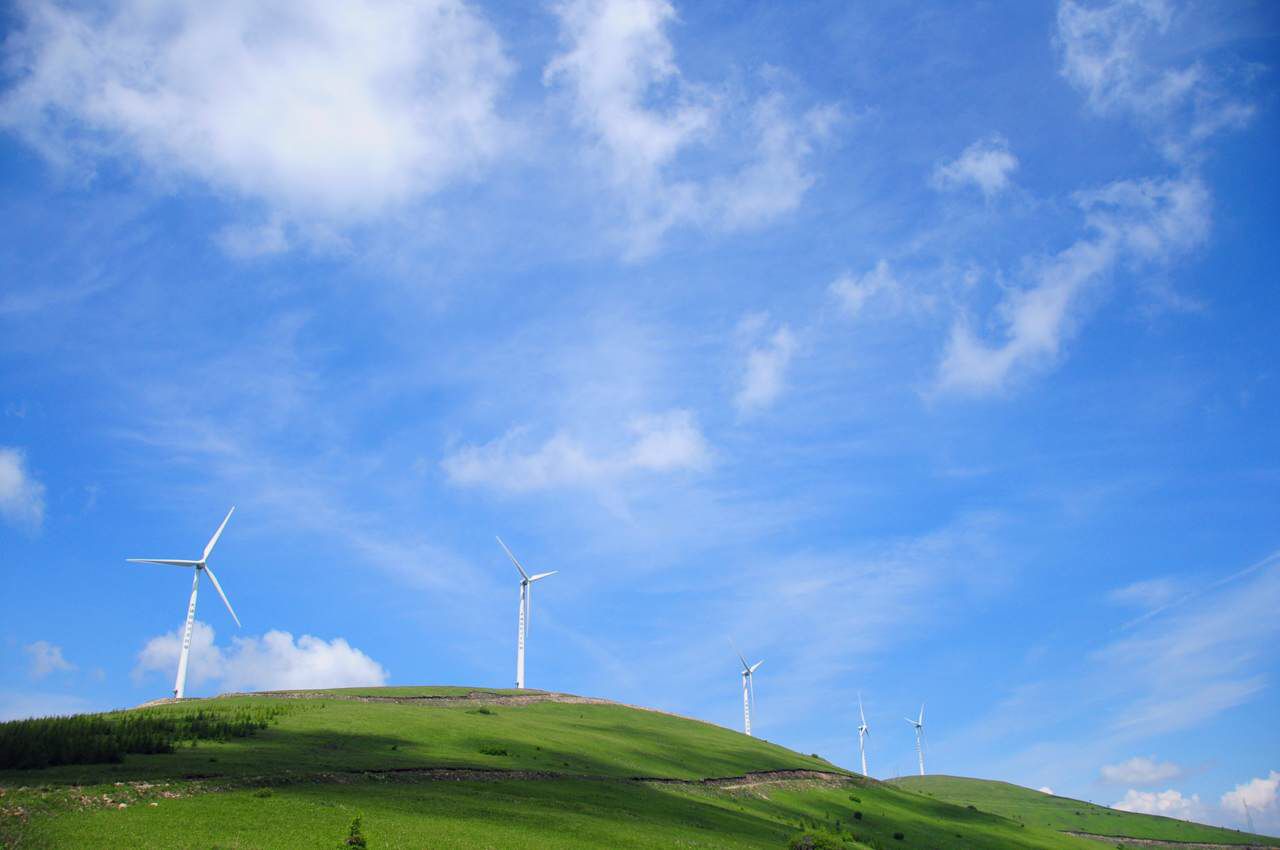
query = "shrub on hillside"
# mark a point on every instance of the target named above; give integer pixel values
(355, 838)
(816, 841)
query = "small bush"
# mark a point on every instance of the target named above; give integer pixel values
(898, 836)
(855, 799)
(857, 815)
(354, 837)
(815, 841)
(481, 710)
(494, 751)
(263, 792)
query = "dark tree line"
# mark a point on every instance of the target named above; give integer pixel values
(102, 738)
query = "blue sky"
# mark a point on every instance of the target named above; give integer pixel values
(926, 351)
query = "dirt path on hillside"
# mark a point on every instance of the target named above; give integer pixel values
(1180, 845)
(121, 795)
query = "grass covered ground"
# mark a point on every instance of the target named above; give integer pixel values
(564, 813)
(328, 734)
(1062, 813)
(541, 774)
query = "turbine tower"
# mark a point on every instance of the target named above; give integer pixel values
(525, 581)
(748, 690)
(919, 726)
(197, 567)
(863, 731)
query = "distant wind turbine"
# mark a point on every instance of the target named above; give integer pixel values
(919, 726)
(748, 690)
(180, 685)
(525, 581)
(863, 731)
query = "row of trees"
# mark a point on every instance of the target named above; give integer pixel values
(100, 738)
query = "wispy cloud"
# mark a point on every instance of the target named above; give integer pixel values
(855, 293)
(986, 164)
(764, 377)
(1103, 48)
(629, 97)
(1148, 594)
(46, 659)
(1139, 222)
(21, 494)
(651, 444)
(1141, 772)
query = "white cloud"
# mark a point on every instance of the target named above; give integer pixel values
(618, 59)
(1102, 49)
(1141, 772)
(1131, 221)
(764, 377)
(667, 442)
(854, 292)
(1170, 804)
(46, 659)
(330, 110)
(21, 495)
(630, 98)
(274, 661)
(987, 164)
(1261, 796)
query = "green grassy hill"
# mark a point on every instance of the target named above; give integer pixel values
(1035, 808)
(457, 768)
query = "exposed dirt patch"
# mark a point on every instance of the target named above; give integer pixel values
(1156, 842)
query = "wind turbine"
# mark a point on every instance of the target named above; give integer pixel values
(180, 685)
(863, 731)
(919, 726)
(525, 581)
(748, 690)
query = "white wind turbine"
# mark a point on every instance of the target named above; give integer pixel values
(748, 690)
(919, 727)
(525, 581)
(863, 731)
(180, 685)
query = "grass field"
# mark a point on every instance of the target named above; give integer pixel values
(543, 774)
(1062, 813)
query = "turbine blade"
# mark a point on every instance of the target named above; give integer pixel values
(225, 601)
(921, 714)
(542, 575)
(158, 561)
(523, 574)
(756, 667)
(860, 712)
(912, 722)
(745, 665)
(213, 541)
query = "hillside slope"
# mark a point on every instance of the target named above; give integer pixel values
(464, 768)
(1064, 814)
